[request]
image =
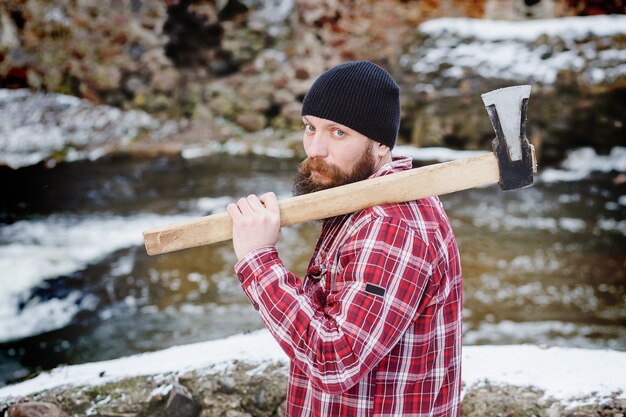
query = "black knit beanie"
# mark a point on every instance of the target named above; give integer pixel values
(360, 95)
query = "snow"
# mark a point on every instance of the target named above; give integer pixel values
(574, 28)
(35, 126)
(582, 162)
(255, 347)
(563, 373)
(532, 51)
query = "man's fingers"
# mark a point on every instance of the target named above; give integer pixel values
(254, 202)
(244, 206)
(233, 210)
(271, 202)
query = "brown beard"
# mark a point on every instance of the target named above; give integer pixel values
(304, 183)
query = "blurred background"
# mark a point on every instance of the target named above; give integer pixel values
(117, 116)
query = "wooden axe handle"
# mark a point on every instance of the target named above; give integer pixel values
(436, 179)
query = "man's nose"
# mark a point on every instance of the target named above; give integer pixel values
(318, 147)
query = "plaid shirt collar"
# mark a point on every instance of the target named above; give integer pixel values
(398, 163)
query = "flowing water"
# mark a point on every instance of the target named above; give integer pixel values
(544, 265)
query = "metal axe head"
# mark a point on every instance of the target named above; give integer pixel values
(507, 111)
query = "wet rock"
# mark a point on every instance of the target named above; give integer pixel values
(36, 409)
(181, 404)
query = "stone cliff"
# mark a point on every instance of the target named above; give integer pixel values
(233, 67)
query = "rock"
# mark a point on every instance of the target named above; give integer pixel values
(166, 80)
(181, 404)
(280, 81)
(135, 85)
(222, 105)
(292, 112)
(157, 103)
(186, 378)
(283, 97)
(302, 74)
(502, 400)
(252, 122)
(36, 409)
(260, 104)
(227, 384)
(8, 32)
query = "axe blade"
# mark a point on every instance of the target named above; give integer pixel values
(507, 111)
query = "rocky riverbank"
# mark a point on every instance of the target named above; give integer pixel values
(247, 376)
(244, 390)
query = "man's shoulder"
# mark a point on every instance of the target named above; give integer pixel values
(425, 216)
(424, 209)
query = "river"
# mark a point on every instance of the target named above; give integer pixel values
(544, 265)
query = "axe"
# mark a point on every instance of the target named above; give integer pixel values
(511, 165)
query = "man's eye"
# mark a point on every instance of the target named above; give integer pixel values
(309, 129)
(338, 133)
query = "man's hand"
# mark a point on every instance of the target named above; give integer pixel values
(256, 223)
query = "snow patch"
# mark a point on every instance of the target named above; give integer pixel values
(580, 163)
(534, 51)
(35, 126)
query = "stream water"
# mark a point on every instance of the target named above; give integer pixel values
(544, 265)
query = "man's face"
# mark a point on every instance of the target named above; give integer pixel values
(336, 155)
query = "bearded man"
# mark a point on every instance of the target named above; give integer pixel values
(374, 327)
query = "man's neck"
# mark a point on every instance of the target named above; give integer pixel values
(383, 161)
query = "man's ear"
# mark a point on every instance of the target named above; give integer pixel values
(381, 150)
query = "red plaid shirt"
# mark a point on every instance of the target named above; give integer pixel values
(374, 328)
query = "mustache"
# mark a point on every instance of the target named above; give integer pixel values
(318, 164)
(304, 182)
